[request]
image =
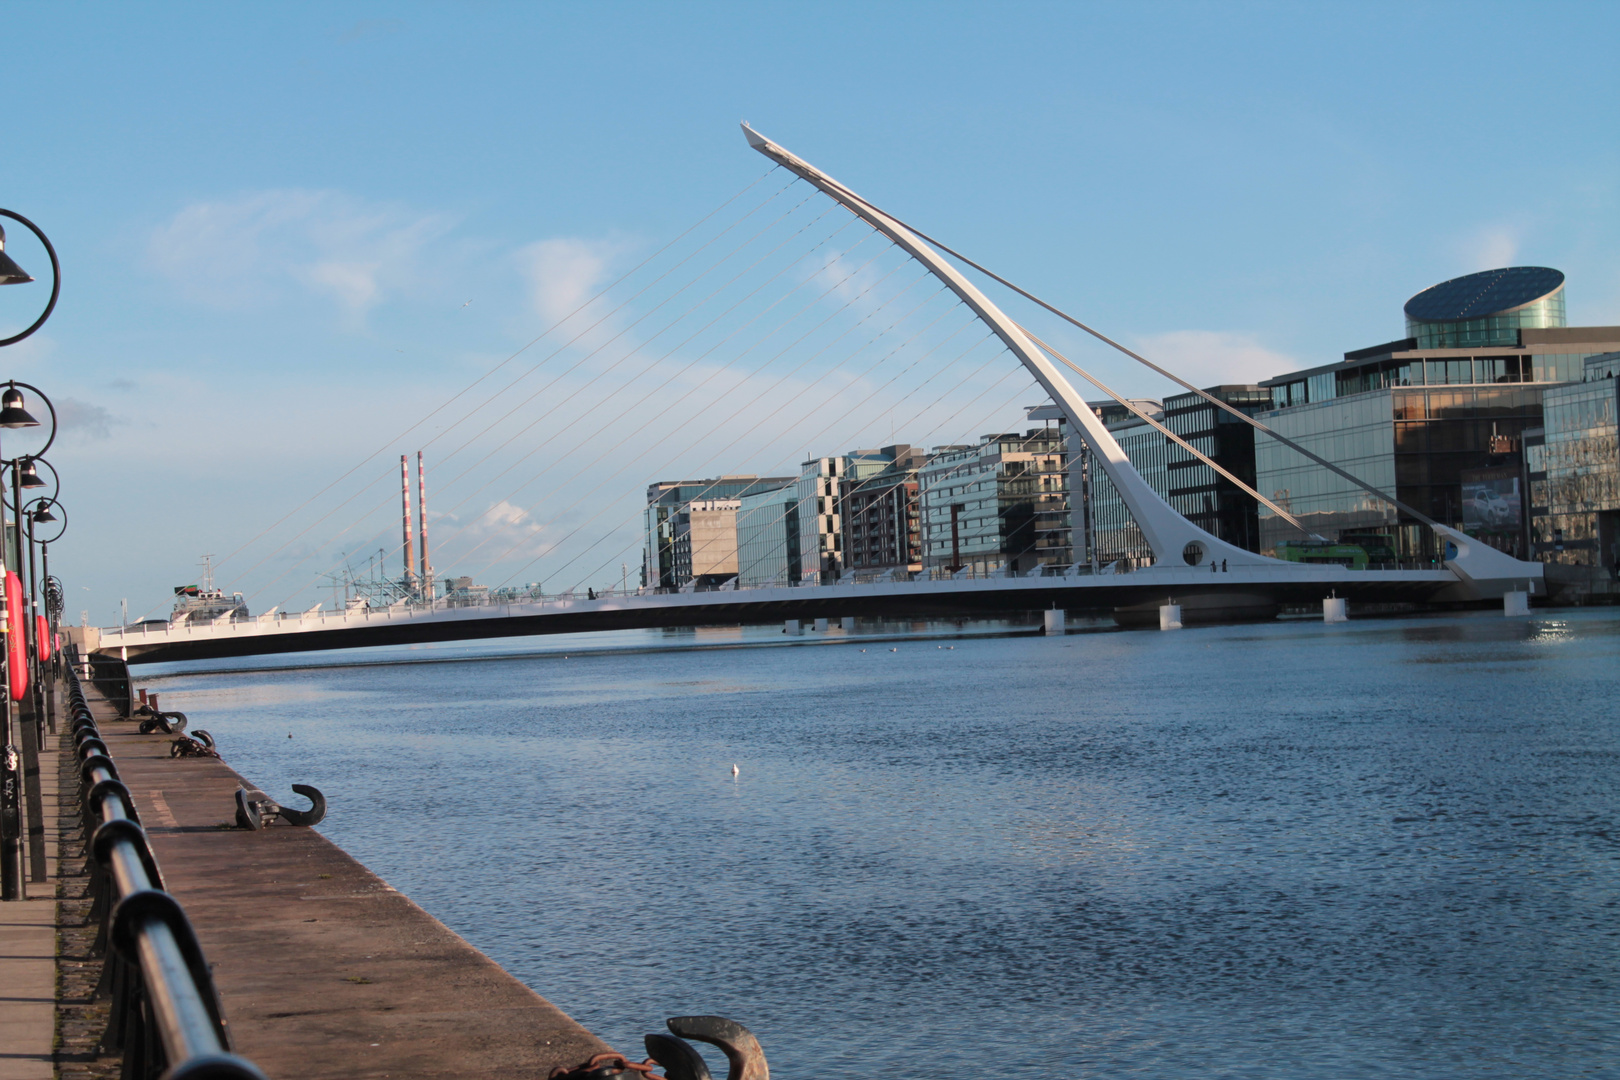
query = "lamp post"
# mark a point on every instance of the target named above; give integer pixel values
(35, 514)
(17, 764)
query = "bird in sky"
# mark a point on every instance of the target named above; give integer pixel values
(468, 302)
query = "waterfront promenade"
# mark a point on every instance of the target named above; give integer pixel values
(323, 969)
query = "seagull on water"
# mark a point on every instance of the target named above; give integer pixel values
(734, 771)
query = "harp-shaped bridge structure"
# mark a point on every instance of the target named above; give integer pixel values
(1210, 578)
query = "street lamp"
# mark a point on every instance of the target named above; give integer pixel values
(35, 514)
(12, 274)
(20, 764)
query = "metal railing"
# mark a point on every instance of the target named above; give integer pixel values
(166, 1017)
(533, 598)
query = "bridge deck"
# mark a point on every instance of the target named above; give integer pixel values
(1251, 588)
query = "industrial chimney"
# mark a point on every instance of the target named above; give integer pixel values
(405, 504)
(421, 508)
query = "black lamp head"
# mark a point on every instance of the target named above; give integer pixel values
(28, 476)
(12, 413)
(10, 272)
(43, 514)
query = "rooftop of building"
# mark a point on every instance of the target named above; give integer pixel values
(1486, 293)
(1548, 339)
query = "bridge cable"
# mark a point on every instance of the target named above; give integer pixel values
(1143, 415)
(727, 447)
(667, 354)
(466, 389)
(553, 382)
(623, 277)
(847, 304)
(845, 415)
(1178, 380)
(993, 412)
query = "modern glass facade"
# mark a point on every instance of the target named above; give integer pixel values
(1358, 435)
(1415, 443)
(665, 501)
(767, 538)
(1114, 534)
(1485, 309)
(882, 525)
(819, 520)
(979, 505)
(1198, 492)
(1574, 471)
(1499, 328)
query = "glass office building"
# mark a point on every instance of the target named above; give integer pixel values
(1574, 471)
(979, 506)
(1437, 419)
(667, 500)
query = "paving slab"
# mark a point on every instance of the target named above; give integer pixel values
(27, 988)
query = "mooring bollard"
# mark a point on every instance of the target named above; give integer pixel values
(1515, 603)
(1053, 621)
(1333, 609)
(1170, 617)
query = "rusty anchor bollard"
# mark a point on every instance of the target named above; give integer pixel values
(677, 1057)
(256, 810)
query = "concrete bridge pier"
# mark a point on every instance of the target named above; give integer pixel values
(1334, 609)
(1200, 609)
(1054, 621)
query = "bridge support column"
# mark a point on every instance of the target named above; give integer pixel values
(1053, 621)
(847, 622)
(1333, 609)
(821, 626)
(1515, 603)
(791, 627)
(1170, 617)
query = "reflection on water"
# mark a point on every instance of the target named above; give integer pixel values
(1384, 848)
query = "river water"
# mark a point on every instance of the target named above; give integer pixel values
(1387, 848)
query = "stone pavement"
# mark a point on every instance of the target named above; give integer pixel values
(28, 957)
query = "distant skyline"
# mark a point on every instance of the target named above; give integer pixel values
(287, 232)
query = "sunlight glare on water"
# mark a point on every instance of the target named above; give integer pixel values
(1385, 848)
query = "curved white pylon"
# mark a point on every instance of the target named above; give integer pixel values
(1168, 533)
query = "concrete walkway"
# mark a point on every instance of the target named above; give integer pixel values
(324, 970)
(28, 957)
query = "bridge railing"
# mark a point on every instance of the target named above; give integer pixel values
(166, 1017)
(564, 600)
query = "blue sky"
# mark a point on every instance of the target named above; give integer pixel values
(272, 218)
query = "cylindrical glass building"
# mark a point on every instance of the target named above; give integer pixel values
(1485, 309)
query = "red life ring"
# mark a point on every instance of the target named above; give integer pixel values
(42, 634)
(16, 647)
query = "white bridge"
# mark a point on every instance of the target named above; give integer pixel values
(1250, 591)
(1209, 577)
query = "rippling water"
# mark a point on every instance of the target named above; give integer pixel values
(1387, 848)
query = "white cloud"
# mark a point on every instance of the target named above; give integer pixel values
(504, 531)
(565, 272)
(250, 250)
(1489, 248)
(1212, 357)
(75, 418)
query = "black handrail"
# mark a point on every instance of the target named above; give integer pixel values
(166, 1015)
